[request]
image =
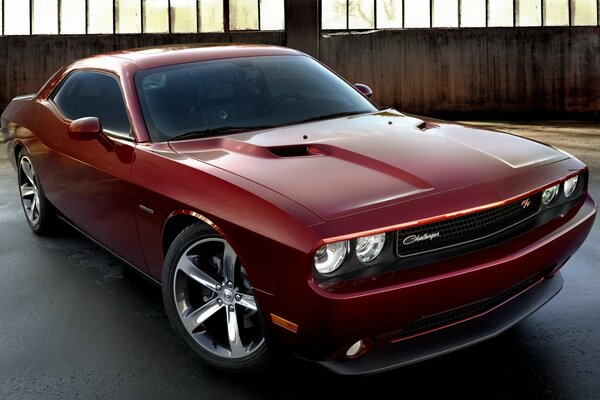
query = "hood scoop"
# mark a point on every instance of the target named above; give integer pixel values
(292, 151)
(424, 126)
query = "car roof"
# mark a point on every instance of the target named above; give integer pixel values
(158, 56)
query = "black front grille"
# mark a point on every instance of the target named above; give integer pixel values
(466, 228)
(462, 313)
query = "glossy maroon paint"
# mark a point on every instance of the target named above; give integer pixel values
(276, 212)
(85, 126)
(364, 89)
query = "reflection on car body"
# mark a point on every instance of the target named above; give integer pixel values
(278, 207)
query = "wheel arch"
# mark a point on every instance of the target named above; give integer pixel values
(17, 150)
(177, 221)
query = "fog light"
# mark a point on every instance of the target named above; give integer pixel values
(355, 349)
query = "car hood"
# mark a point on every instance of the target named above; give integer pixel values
(344, 166)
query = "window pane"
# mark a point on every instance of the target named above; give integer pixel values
(183, 16)
(501, 13)
(72, 16)
(89, 94)
(472, 13)
(242, 92)
(45, 17)
(156, 16)
(416, 14)
(100, 16)
(128, 16)
(333, 14)
(529, 12)
(211, 15)
(1, 21)
(243, 15)
(445, 13)
(272, 15)
(362, 14)
(584, 12)
(389, 14)
(16, 21)
(556, 12)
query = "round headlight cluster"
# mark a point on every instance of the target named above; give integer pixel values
(369, 247)
(550, 194)
(331, 256)
(570, 186)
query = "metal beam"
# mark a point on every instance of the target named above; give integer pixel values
(303, 25)
(226, 16)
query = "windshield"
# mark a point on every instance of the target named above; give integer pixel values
(227, 96)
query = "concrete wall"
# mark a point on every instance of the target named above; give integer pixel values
(453, 72)
(547, 71)
(27, 62)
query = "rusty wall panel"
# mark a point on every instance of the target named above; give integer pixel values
(431, 71)
(26, 62)
(474, 71)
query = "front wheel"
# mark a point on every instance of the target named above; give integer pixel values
(210, 303)
(38, 210)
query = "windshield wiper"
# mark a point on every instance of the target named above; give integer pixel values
(335, 115)
(217, 131)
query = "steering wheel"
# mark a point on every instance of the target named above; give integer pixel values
(282, 98)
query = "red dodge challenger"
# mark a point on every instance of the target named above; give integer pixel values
(279, 208)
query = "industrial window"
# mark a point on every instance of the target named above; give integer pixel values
(73, 11)
(417, 14)
(48, 17)
(399, 14)
(528, 13)
(211, 16)
(156, 18)
(128, 18)
(389, 13)
(76, 17)
(16, 17)
(445, 14)
(100, 17)
(45, 17)
(473, 13)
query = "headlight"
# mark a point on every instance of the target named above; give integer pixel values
(369, 247)
(331, 256)
(549, 194)
(570, 186)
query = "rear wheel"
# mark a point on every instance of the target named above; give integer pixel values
(38, 210)
(210, 302)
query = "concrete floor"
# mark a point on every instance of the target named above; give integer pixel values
(76, 323)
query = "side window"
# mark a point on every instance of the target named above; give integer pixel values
(92, 94)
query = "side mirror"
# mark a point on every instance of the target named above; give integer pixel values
(364, 89)
(86, 126)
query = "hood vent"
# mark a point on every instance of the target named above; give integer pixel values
(426, 126)
(291, 151)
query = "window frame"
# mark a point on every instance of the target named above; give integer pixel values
(129, 137)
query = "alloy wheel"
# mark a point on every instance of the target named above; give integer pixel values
(28, 188)
(215, 301)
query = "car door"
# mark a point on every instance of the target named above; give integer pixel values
(93, 170)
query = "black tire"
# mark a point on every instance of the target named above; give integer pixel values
(38, 210)
(223, 301)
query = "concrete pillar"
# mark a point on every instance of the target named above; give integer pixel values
(303, 26)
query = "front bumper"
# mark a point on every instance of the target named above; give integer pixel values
(451, 338)
(377, 310)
